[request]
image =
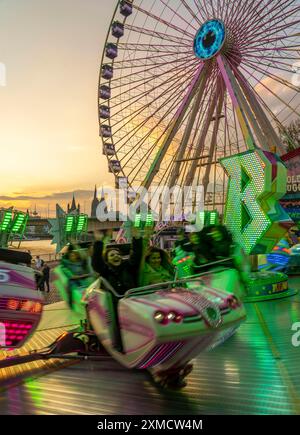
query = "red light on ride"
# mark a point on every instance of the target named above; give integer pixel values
(26, 305)
(178, 318)
(37, 308)
(13, 304)
(166, 318)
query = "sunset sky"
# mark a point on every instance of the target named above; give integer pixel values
(49, 128)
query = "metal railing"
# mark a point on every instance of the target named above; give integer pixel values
(48, 258)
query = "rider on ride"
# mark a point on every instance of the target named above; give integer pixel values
(121, 274)
(76, 268)
(156, 268)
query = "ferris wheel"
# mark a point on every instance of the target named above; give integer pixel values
(184, 83)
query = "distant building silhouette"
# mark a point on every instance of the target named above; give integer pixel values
(96, 202)
(73, 209)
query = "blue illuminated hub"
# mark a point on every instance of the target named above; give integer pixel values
(209, 39)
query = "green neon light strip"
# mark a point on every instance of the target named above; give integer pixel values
(69, 224)
(82, 223)
(5, 224)
(137, 221)
(18, 223)
(149, 220)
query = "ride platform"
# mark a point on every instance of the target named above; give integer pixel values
(257, 371)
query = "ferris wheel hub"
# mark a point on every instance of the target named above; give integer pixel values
(210, 39)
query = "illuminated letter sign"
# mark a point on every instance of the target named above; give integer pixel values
(257, 181)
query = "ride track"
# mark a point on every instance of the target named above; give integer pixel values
(255, 372)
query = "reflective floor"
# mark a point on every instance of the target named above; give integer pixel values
(256, 372)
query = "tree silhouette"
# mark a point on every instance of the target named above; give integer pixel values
(290, 135)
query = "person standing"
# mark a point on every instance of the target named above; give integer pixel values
(38, 263)
(46, 276)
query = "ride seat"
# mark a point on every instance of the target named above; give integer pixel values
(15, 257)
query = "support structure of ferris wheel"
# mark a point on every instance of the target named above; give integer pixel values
(184, 83)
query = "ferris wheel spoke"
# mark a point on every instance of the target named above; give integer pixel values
(265, 105)
(275, 30)
(175, 97)
(251, 47)
(227, 140)
(161, 20)
(275, 95)
(157, 62)
(159, 67)
(184, 159)
(272, 76)
(204, 12)
(154, 48)
(192, 13)
(274, 49)
(230, 20)
(276, 60)
(213, 141)
(264, 123)
(273, 22)
(235, 130)
(176, 119)
(249, 10)
(244, 8)
(154, 146)
(188, 130)
(224, 10)
(246, 29)
(146, 120)
(262, 101)
(179, 16)
(212, 8)
(156, 34)
(143, 72)
(145, 81)
(138, 60)
(202, 159)
(151, 47)
(287, 117)
(136, 98)
(275, 77)
(180, 114)
(173, 102)
(176, 81)
(258, 16)
(220, 9)
(201, 140)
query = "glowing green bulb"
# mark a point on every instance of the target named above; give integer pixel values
(19, 221)
(69, 224)
(5, 224)
(138, 221)
(82, 223)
